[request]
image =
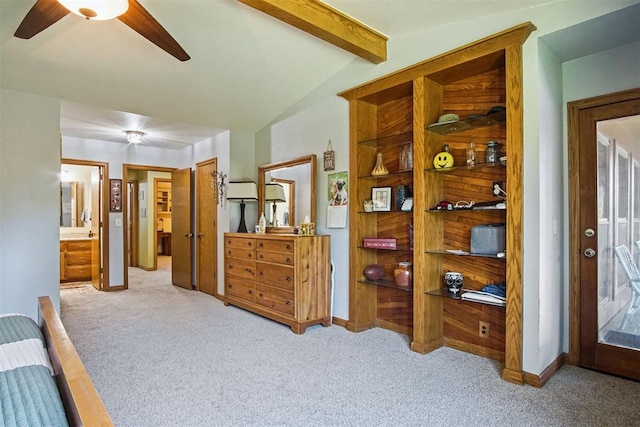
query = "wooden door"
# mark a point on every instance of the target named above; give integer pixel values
(181, 230)
(206, 227)
(602, 202)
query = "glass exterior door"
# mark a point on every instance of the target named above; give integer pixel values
(618, 207)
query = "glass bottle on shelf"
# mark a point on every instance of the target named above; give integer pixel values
(471, 154)
(262, 224)
(493, 152)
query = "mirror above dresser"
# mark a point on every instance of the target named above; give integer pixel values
(286, 193)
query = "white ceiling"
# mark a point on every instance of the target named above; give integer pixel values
(246, 67)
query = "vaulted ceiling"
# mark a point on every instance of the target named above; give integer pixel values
(246, 67)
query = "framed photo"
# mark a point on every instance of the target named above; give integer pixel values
(381, 197)
(338, 188)
(406, 157)
(115, 195)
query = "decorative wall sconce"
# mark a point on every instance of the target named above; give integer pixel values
(218, 180)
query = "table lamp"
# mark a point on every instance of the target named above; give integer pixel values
(242, 190)
(274, 193)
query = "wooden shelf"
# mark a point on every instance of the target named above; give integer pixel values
(397, 109)
(445, 252)
(482, 120)
(444, 293)
(387, 283)
(470, 168)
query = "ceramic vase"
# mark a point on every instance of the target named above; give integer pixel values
(379, 168)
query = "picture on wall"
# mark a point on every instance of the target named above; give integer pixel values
(115, 195)
(338, 191)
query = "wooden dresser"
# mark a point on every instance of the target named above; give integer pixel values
(284, 277)
(75, 260)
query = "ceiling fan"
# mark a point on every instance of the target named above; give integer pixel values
(47, 12)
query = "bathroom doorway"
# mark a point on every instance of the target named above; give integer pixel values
(83, 233)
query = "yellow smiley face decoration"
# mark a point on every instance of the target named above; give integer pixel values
(444, 159)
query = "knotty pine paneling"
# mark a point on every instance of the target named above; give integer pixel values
(461, 323)
(395, 306)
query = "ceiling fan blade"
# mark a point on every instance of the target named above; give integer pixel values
(140, 20)
(42, 15)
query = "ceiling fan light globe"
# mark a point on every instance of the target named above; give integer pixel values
(96, 9)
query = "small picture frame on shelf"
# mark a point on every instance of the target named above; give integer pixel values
(406, 157)
(381, 197)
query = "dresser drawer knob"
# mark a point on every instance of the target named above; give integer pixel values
(288, 278)
(288, 260)
(248, 254)
(260, 295)
(229, 286)
(287, 302)
(250, 292)
(288, 247)
(260, 273)
(248, 270)
(261, 256)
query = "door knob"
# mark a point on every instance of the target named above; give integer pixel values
(188, 235)
(589, 253)
(200, 235)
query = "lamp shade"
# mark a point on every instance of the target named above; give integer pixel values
(96, 9)
(274, 192)
(243, 190)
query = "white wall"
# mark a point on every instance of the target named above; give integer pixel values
(29, 201)
(309, 132)
(544, 210)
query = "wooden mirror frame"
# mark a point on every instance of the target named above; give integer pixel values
(262, 171)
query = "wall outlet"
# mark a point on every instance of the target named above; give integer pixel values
(483, 329)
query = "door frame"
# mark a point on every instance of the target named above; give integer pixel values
(126, 167)
(103, 238)
(575, 234)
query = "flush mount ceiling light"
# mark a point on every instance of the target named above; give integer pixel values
(134, 136)
(96, 9)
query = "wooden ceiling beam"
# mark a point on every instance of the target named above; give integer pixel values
(328, 24)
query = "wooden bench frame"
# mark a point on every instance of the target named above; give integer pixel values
(81, 400)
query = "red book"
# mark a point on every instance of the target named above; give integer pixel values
(379, 243)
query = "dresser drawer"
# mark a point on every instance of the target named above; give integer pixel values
(78, 246)
(78, 272)
(275, 275)
(240, 267)
(239, 242)
(78, 258)
(275, 257)
(239, 288)
(241, 253)
(276, 299)
(275, 245)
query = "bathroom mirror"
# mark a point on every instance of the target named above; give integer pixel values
(294, 200)
(75, 196)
